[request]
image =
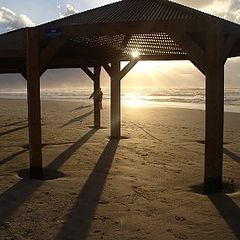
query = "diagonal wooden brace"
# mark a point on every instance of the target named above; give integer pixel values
(196, 54)
(50, 51)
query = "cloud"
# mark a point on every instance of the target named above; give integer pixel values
(10, 21)
(195, 3)
(227, 9)
(70, 10)
(233, 12)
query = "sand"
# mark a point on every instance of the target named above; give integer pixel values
(145, 186)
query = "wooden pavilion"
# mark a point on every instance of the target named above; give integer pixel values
(105, 36)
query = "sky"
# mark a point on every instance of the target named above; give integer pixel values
(15, 14)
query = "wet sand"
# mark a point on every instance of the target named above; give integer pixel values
(147, 185)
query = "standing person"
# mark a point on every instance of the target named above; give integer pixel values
(97, 96)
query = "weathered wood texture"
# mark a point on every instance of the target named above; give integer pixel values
(115, 101)
(116, 75)
(214, 108)
(195, 53)
(95, 76)
(34, 108)
(97, 110)
(130, 28)
(50, 51)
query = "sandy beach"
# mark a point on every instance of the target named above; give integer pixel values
(146, 186)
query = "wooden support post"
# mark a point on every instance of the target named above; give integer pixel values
(34, 109)
(214, 108)
(115, 101)
(97, 110)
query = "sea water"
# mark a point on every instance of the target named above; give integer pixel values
(193, 98)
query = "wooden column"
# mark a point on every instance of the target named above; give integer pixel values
(115, 100)
(97, 111)
(34, 109)
(214, 108)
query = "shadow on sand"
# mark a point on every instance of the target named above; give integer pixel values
(77, 119)
(225, 205)
(12, 130)
(228, 210)
(15, 123)
(79, 220)
(232, 155)
(82, 107)
(15, 196)
(12, 156)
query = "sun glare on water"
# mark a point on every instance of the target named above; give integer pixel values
(134, 101)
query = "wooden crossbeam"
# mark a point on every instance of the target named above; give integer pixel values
(196, 54)
(9, 70)
(129, 28)
(120, 74)
(67, 62)
(50, 51)
(107, 68)
(127, 68)
(89, 73)
(229, 43)
(12, 53)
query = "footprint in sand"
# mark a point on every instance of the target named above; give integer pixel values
(180, 219)
(177, 235)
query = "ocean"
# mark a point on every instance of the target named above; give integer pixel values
(193, 98)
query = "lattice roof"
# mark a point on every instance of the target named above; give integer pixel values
(114, 31)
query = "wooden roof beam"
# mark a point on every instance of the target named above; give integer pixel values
(229, 44)
(126, 28)
(17, 53)
(127, 68)
(9, 70)
(121, 74)
(196, 54)
(89, 73)
(50, 51)
(65, 62)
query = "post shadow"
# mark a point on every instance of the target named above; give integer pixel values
(12, 156)
(77, 119)
(14, 123)
(64, 156)
(12, 130)
(15, 196)
(82, 107)
(78, 221)
(228, 210)
(232, 155)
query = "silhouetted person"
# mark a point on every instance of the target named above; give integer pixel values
(97, 96)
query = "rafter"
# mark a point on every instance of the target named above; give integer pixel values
(229, 43)
(121, 74)
(107, 68)
(96, 71)
(196, 54)
(127, 68)
(128, 28)
(50, 51)
(88, 72)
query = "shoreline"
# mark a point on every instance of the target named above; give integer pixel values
(147, 104)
